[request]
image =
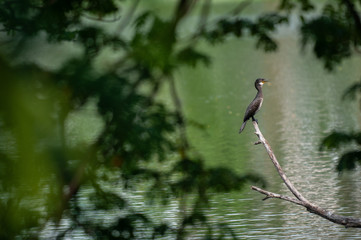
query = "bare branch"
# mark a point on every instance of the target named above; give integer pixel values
(204, 14)
(301, 200)
(240, 7)
(275, 195)
(273, 158)
(128, 16)
(179, 110)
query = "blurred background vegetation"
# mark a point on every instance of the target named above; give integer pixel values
(48, 180)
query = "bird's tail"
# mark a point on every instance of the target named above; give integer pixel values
(242, 127)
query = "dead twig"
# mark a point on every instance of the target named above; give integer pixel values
(300, 199)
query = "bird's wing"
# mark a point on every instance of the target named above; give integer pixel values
(252, 108)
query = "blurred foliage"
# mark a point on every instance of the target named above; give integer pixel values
(333, 30)
(335, 34)
(50, 188)
(335, 140)
(261, 28)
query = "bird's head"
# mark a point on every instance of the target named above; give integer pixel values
(260, 82)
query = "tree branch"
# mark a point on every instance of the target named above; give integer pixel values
(273, 158)
(128, 16)
(275, 195)
(354, 14)
(299, 200)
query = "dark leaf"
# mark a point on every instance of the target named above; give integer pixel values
(189, 56)
(351, 91)
(348, 161)
(331, 36)
(336, 139)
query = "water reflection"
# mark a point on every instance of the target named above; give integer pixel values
(301, 105)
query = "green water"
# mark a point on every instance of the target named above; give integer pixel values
(302, 104)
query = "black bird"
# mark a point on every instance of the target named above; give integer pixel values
(255, 105)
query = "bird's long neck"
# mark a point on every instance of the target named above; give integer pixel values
(259, 91)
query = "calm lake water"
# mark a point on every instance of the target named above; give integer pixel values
(302, 104)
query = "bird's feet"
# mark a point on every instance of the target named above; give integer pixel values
(254, 120)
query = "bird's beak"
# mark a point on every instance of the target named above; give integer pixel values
(264, 80)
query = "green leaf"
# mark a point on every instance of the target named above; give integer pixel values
(336, 139)
(348, 161)
(189, 56)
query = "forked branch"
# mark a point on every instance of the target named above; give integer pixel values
(299, 200)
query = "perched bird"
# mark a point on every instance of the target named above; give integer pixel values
(255, 105)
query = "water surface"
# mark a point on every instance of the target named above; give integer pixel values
(301, 105)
